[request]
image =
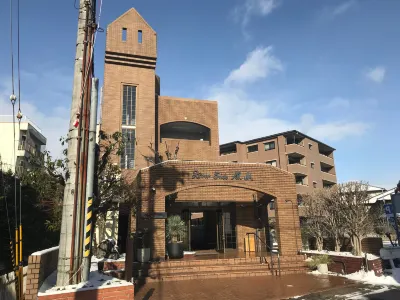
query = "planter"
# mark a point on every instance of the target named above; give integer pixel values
(322, 268)
(143, 255)
(175, 250)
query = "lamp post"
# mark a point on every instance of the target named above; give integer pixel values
(294, 224)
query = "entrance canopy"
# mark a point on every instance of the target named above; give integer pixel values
(219, 182)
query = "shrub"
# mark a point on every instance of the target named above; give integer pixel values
(319, 260)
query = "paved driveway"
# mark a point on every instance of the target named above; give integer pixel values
(254, 288)
(356, 292)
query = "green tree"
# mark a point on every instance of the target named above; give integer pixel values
(111, 185)
(36, 234)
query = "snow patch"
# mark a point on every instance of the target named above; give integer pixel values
(95, 259)
(360, 296)
(96, 280)
(41, 252)
(347, 254)
(371, 278)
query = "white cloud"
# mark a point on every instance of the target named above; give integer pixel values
(52, 115)
(376, 74)
(336, 131)
(259, 64)
(241, 117)
(338, 102)
(245, 12)
(342, 8)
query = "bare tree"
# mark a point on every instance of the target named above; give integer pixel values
(314, 211)
(333, 217)
(358, 221)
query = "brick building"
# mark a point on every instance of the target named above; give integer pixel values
(310, 160)
(221, 203)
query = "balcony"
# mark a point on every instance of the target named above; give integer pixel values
(297, 169)
(295, 148)
(328, 177)
(303, 189)
(326, 159)
(25, 149)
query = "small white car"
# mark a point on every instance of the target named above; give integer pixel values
(391, 261)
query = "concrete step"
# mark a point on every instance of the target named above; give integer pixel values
(229, 261)
(249, 272)
(216, 269)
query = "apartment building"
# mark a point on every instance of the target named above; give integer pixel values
(217, 201)
(310, 160)
(29, 141)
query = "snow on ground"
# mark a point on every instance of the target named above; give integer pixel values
(366, 277)
(96, 259)
(364, 296)
(97, 280)
(348, 254)
(371, 278)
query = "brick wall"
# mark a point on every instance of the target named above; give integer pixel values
(125, 292)
(131, 63)
(176, 176)
(372, 245)
(351, 264)
(40, 266)
(203, 112)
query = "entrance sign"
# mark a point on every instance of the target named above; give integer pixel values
(220, 176)
(389, 213)
(154, 215)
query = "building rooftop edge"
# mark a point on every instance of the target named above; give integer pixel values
(199, 162)
(260, 139)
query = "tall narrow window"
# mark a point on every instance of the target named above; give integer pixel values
(140, 36)
(129, 105)
(124, 31)
(128, 155)
(128, 126)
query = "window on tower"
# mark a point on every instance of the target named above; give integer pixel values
(129, 105)
(140, 36)
(128, 155)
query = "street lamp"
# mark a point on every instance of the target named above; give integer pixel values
(294, 224)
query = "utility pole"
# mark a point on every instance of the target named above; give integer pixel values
(68, 256)
(90, 180)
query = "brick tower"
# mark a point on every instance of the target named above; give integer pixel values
(131, 87)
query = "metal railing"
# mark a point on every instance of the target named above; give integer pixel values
(271, 250)
(29, 148)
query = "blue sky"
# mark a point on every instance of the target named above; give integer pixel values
(324, 67)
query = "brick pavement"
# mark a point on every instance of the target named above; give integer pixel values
(255, 288)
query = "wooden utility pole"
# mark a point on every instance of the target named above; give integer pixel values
(69, 259)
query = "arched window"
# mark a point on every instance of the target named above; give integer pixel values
(184, 131)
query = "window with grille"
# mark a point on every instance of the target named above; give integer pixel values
(269, 146)
(128, 155)
(129, 105)
(252, 148)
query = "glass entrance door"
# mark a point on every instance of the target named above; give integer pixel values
(220, 231)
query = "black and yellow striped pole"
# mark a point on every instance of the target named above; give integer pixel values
(88, 231)
(21, 265)
(16, 263)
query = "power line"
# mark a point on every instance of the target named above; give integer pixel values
(11, 46)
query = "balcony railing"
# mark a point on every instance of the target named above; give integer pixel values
(297, 168)
(29, 148)
(328, 177)
(295, 148)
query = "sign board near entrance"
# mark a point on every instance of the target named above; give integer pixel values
(246, 176)
(154, 215)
